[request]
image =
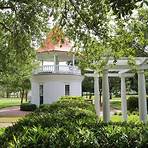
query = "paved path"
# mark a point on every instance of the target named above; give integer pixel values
(10, 115)
(12, 111)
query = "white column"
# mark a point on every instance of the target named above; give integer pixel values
(123, 98)
(42, 62)
(142, 96)
(54, 60)
(56, 63)
(105, 95)
(96, 95)
(73, 60)
(42, 65)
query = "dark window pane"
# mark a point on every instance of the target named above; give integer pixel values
(67, 90)
(41, 94)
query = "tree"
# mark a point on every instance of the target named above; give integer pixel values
(25, 86)
(22, 22)
(88, 24)
(88, 85)
(22, 25)
(17, 80)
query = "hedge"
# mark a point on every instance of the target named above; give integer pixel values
(132, 103)
(27, 107)
(2, 130)
(73, 124)
(71, 98)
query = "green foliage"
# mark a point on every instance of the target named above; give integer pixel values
(103, 29)
(8, 102)
(135, 113)
(72, 123)
(27, 107)
(132, 103)
(22, 24)
(2, 130)
(122, 8)
(77, 102)
(78, 98)
(88, 84)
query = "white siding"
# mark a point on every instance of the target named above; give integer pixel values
(35, 92)
(54, 87)
(76, 88)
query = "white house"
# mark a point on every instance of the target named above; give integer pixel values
(55, 77)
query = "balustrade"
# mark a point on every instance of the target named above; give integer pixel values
(65, 69)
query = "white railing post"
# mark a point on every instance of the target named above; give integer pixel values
(58, 69)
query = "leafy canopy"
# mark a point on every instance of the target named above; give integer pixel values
(103, 29)
(22, 24)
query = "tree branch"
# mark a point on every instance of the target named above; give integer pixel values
(83, 18)
(77, 10)
(5, 27)
(5, 7)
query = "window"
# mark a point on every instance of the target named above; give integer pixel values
(41, 93)
(67, 90)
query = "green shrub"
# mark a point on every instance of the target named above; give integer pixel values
(72, 123)
(115, 113)
(2, 130)
(135, 113)
(27, 107)
(132, 103)
(71, 98)
(65, 104)
(120, 113)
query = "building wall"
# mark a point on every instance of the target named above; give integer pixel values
(54, 87)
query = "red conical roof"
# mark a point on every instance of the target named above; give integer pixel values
(55, 41)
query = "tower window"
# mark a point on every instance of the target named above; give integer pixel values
(67, 90)
(41, 93)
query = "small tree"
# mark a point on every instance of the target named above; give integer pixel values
(88, 85)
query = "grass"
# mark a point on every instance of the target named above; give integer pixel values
(115, 104)
(131, 118)
(9, 102)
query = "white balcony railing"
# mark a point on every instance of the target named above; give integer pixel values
(62, 69)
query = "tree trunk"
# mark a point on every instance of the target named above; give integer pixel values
(90, 95)
(22, 96)
(110, 95)
(100, 97)
(7, 94)
(26, 94)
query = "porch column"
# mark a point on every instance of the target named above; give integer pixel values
(105, 95)
(42, 62)
(56, 63)
(73, 60)
(123, 98)
(42, 65)
(96, 95)
(142, 96)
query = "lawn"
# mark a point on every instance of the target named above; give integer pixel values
(131, 118)
(8, 102)
(115, 104)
